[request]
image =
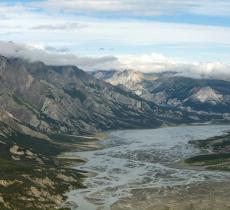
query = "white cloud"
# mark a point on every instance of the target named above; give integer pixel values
(159, 63)
(137, 7)
(109, 32)
(215, 70)
(47, 34)
(60, 26)
(146, 63)
(34, 52)
(84, 35)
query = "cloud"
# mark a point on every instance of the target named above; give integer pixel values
(33, 52)
(63, 26)
(146, 63)
(54, 49)
(50, 31)
(216, 70)
(105, 32)
(140, 8)
(85, 35)
(159, 63)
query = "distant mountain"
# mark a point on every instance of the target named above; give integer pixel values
(167, 89)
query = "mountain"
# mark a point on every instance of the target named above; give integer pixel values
(133, 80)
(42, 110)
(167, 89)
(66, 99)
(31, 176)
(207, 95)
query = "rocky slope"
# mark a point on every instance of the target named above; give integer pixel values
(167, 89)
(31, 178)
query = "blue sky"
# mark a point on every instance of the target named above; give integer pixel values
(179, 30)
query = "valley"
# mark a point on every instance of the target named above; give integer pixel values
(114, 105)
(48, 111)
(143, 169)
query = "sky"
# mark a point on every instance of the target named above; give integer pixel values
(145, 35)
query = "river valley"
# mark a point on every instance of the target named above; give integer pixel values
(141, 169)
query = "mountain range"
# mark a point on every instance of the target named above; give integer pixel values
(66, 99)
(46, 110)
(169, 89)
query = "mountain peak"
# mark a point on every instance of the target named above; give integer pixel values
(207, 94)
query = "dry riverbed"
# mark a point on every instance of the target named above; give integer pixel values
(199, 196)
(142, 170)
